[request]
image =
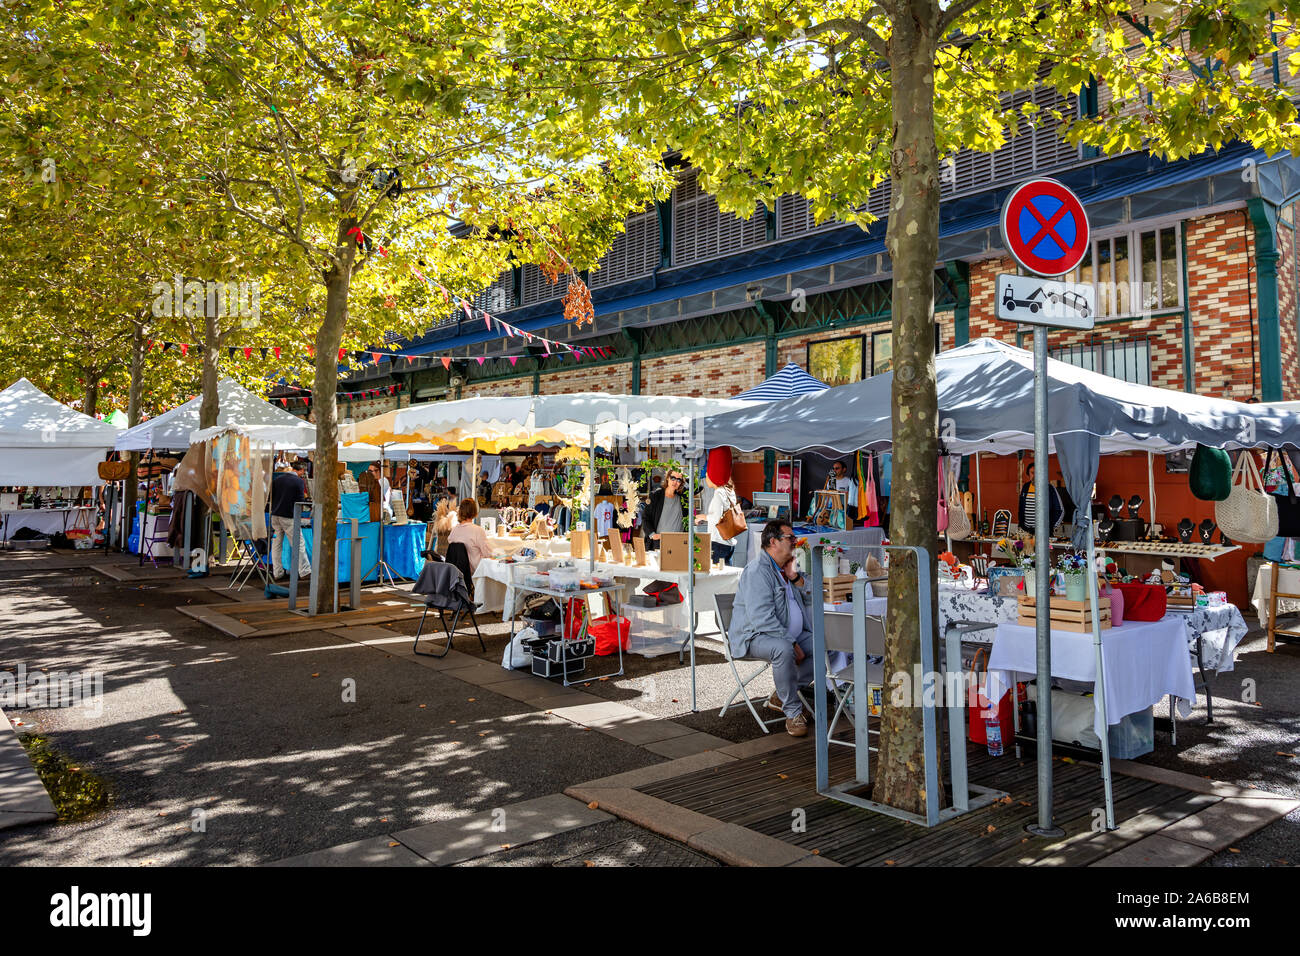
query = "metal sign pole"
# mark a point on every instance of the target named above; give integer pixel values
(1042, 599)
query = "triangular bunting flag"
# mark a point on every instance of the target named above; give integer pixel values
(248, 353)
(284, 402)
(342, 352)
(231, 353)
(480, 359)
(513, 360)
(446, 362)
(376, 356)
(276, 350)
(185, 349)
(263, 351)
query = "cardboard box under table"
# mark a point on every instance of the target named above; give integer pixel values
(1143, 661)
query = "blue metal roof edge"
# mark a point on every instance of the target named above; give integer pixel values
(836, 245)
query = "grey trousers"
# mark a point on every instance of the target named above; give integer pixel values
(786, 674)
(283, 529)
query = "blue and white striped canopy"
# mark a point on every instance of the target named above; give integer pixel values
(787, 383)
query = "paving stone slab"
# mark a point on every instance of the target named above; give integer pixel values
(1220, 826)
(776, 740)
(10, 820)
(601, 714)
(21, 789)
(644, 776)
(659, 816)
(1187, 781)
(1157, 851)
(686, 745)
(455, 841)
(815, 861)
(377, 851)
(740, 846)
(648, 733)
(549, 705)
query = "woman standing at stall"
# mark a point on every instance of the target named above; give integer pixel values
(722, 544)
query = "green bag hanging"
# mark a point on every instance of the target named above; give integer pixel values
(1211, 474)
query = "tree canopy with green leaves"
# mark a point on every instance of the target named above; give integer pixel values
(332, 134)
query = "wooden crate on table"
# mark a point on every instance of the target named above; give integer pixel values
(1066, 615)
(1181, 600)
(838, 589)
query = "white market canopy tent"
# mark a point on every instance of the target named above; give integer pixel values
(44, 442)
(986, 403)
(239, 409)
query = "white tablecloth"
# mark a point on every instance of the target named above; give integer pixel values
(509, 544)
(41, 520)
(1143, 662)
(1288, 582)
(492, 587)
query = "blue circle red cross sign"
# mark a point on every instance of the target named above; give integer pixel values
(1045, 227)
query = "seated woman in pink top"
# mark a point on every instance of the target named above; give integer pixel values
(472, 536)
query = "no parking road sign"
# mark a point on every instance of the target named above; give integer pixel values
(1045, 227)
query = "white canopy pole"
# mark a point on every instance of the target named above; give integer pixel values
(1099, 688)
(1151, 492)
(591, 499)
(979, 498)
(690, 571)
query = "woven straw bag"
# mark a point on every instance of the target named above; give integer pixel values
(1249, 513)
(958, 522)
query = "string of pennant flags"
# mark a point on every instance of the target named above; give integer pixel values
(550, 346)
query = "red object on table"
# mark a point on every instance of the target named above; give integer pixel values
(1143, 602)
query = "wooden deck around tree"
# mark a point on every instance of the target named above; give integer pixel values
(775, 794)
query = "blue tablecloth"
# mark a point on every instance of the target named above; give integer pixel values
(402, 547)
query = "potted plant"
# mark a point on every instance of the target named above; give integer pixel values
(831, 554)
(1074, 569)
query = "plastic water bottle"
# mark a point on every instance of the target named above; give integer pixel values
(993, 736)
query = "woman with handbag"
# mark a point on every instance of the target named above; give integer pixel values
(723, 517)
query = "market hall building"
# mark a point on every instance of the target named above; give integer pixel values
(1194, 263)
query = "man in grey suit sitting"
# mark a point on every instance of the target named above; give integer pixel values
(771, 621)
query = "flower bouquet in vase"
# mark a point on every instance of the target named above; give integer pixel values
(1074, 570)
(831, 554)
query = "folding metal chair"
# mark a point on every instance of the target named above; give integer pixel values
(839, 638)
(724, 604)
(251, 561)
(161, 527)
(442, 586)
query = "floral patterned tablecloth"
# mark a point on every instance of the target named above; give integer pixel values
(1220, 628)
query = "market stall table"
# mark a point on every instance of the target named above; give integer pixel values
(1143, 660)
(1288, 582)
(403, 544)
(46, 521)
(494, 590)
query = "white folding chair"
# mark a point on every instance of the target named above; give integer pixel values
(839, 637)
(250, 561)
(723, 604)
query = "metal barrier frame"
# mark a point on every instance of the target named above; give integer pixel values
(965, 796)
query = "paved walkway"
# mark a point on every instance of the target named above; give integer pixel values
(454, 762)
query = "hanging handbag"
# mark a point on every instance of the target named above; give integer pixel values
(1249, 513)
(943, 499)
(872, 517)
(1210, 475)
(732, 521)
(1288, 505)
(958, 522)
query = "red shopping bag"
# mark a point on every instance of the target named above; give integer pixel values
(1143, 602)
(979, 709)
(609, 632)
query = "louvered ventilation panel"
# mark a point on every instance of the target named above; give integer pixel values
(498, 297)
(537, 288)
(701, 231)
(635, 252)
